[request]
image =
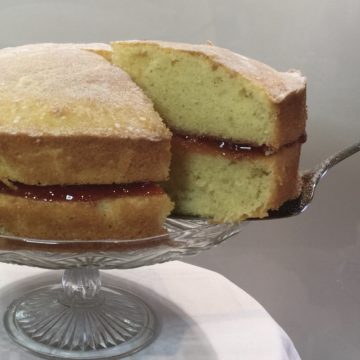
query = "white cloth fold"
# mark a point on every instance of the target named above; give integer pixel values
(202, 314)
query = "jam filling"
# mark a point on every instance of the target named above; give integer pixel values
(73, 193)
(207, 144)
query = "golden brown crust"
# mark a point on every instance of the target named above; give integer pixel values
(286, 178)
(291, 119)
(123, 218)
(66, 110)
(75, 159)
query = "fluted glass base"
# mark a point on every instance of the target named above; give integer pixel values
(80, 319)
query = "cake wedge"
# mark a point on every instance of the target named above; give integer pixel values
(238, 125)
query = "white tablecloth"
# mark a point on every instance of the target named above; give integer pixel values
(203, 315)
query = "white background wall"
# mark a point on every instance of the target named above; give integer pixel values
(305, 270)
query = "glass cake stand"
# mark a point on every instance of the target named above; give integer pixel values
(80, 319)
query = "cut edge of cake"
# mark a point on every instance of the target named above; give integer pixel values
(228, 189)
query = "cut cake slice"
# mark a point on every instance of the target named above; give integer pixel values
(237, 125)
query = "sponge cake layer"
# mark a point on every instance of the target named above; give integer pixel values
(70, 117)
(231, 187)
(115, 217)
(82, 159)
(207, 90)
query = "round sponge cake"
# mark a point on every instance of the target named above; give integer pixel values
(69, 117)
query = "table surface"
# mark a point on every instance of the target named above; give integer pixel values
(203, 315)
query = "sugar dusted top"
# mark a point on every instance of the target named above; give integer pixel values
(63, 89)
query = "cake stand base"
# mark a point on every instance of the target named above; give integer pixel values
(80, 319)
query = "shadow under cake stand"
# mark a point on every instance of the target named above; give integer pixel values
(80, 318)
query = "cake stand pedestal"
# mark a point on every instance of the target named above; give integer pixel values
(80, 319)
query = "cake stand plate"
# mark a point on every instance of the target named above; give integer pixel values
(80, 319)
